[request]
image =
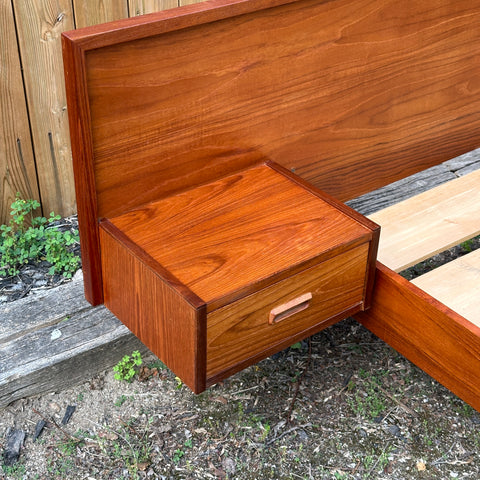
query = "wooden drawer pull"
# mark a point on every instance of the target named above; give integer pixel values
(288, 309)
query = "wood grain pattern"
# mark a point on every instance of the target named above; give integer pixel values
(434, 337)
(154, 312)
(39, 26)
(93, 13)
(213, 262)
(17, 167)
(242, 330)
(457, 285)
(430, 222)
(350, 95)
(227, 238)
(92, 340)
(314, 99)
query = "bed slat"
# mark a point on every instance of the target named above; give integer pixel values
(457, 285)
(429, 223)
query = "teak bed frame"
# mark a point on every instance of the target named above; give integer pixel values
(349, 95)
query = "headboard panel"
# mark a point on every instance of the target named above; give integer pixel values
(350, 94)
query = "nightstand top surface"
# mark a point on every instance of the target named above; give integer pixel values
(245, 228)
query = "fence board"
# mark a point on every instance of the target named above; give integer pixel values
(17, 164)
(140, 7)
(39, 25)
(35, 156)
(92, 13)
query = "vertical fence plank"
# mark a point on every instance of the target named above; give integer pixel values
(188, 2)
(44, 171)
(39, 25)
(140, 7)
(17, 164)
(93, 13)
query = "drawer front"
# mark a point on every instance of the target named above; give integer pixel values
(272, 316)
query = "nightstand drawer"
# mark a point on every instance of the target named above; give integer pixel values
(302, 304)
(218, 277)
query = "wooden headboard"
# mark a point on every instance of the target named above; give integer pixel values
(348, 94)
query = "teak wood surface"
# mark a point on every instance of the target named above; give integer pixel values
(352, 95)
(428, 333)
(434, 326)
(156, 313)
(240, 333)
(215, 261)
(230, 237)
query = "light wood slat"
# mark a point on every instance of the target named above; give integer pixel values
(17, 167)
(141, 7)
(39, 25)
(457, 285)
(429, 223)
(93, 13)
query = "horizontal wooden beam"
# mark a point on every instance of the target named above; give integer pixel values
(456, 284)
(429, 223)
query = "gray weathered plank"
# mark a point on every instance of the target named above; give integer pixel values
(42, 308)
(470, 160)
(415, 184)
(401, 190)
(65, 341)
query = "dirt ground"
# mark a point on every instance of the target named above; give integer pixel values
(342, 406)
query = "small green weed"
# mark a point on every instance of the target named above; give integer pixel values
(69, 446)
(367, 401)
(467, 245)
(179, 383)
(27, 238)
(178, 455)
(15, 471)
(120, 400)
(125, 369)
(265, 430)
(158, 364)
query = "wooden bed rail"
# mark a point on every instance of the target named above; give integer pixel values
(434, 320)
(432, 336)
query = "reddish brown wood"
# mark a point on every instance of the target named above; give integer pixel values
(241, 330)
(155, 312)
(428, 333)
(290, 308)
(231, 237)
(234, 250)
(275, 348)
(350, 94)
(151, 263)
(83, 168)
(354, 215)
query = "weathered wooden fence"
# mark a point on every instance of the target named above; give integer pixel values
(35, 158)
